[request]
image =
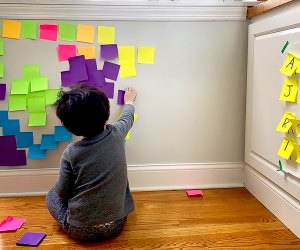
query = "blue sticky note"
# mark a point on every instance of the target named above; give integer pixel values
(48, 142)
(11, 127)
(35, 152)
(3, 117)
(62, 134)
(24, 139)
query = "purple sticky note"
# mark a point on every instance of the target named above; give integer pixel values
(91, 65)
(108, 89)
(121, 94)
(96, 78)
(109, 51)
(2, 91)
(78, 68)
(48, 32)
(8, 143)
(31, 239)
(111, 70)
(11, 224)
(10, 157)
(66, 79)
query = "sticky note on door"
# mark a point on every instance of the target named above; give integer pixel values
(289, 91)
(285, 122)
(286, 148)
(290, 65)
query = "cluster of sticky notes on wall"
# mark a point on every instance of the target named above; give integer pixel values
(289, 148)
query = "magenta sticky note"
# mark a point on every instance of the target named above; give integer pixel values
(109, 51)
(121, 94)
(48, 32)
(66, 51)
(111, 70)
(31, 239)
(194, 193)
(11, 224)
(2, 91)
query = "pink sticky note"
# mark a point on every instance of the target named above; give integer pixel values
(66, 51)
(194, 193)
(48, 32)
(11, 224)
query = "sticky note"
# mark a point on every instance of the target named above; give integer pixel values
(35, 152)
(67, 32)
(91, 65)
(78, 68)
(61, 134)
(3, 117)
(290, 65)
(36, 104)
(127, 137)
(66, 51)
(109, 51)
(51, 96)
(37, 119)
(106, 34)
(24, 139)
(2, 91)
(285, 122)
(11, 127)
(1, 69)
(1, 47)
(85, 33)
(30, 72)
(146, 55)
(11, 224)
(289, 91)
(48, 142)
(286, 148)
(31, 239)
(121, 94)
(19, 87)
(96, 78)
(108, 89)
(17, 102)
(48, 32)
(193, 193)
(127, 70)
(36, 94)
(296, 126)
(39, 83)
(126, 54)
(11, 29)
(13, 157)
(29, 28)
(111, 70)
(66, 78)
(89, 52)
(8, 142)
(297, 150)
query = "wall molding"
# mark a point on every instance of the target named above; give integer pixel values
(32, 182)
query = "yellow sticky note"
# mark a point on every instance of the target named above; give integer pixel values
(126, 54)
(290, 65)
(296, 126)
(297, 150)
(127, 70)
(289, 91)
(11, 29)
(88, 52)
(285, 122)
(286, 148)
(127, 137)
(146, 55)
(85, 33)
(106, 34)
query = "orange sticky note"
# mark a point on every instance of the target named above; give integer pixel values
(11, 29)
(85, 33)
(192, 193)
(89, 52)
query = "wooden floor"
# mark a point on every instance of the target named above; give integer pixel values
(222, 219)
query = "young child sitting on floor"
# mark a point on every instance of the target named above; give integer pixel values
(91, 198)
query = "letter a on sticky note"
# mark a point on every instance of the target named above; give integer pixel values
(290, 65)
(289, 91)
(285, 122)
(286, 148)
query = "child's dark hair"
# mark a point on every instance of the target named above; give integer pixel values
(83, 110)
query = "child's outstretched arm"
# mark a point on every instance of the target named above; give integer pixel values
(126, 120)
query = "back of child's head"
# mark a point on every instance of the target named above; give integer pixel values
(83, 110)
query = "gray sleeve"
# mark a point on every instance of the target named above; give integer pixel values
(125, 122)
(63, 186)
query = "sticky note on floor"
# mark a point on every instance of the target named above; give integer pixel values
(31, 239)
(29, 28)
(194, 192)
(11, 29)
(11, 224)
(146, 55)
(289, 91)
(89, 52)
(290, 65)
(106, 34)
(285, 122)
(85, 33)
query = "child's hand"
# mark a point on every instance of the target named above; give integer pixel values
(130, 95)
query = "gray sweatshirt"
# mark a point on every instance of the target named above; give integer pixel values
(93, 176)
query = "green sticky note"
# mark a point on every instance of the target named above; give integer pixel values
(1, 69)
(29, 29)
(51, 96)
(36, 104)
(67, 32)
(19, 87)
(36, 94)
(39, 83)
(1, 47)
(30, 71)
(17, 102)
(37, 119)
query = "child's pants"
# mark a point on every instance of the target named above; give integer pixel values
(95, 233)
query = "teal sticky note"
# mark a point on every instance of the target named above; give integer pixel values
(36, 104)
(1, 47)
(17, 102)
(24, 139)
(1, 69)
(30, 72)
(39, 83)
(67, 32)
(35, 152)
(62, 134)
(48, 142)
(19, 87)
(28, 29)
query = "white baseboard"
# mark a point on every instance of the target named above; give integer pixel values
(33, 182)
(284, 206)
